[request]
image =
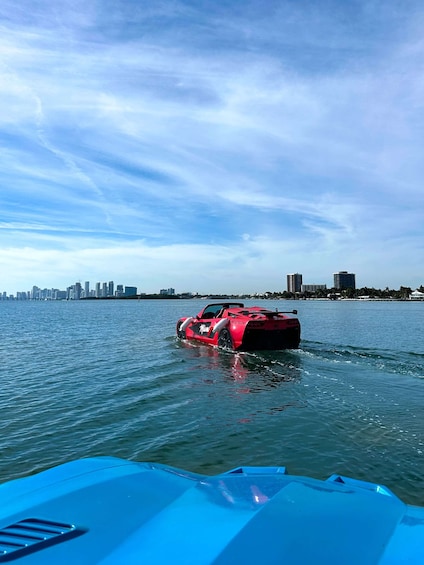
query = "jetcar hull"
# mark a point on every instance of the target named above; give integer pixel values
(242, 329)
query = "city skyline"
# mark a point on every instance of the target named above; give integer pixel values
(214, 145)
(294, 283)
(78, 291)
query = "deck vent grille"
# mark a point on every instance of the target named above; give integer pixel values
(33, 534)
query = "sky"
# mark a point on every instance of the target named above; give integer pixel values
(209, 146)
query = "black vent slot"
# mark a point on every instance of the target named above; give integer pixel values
(33, 534)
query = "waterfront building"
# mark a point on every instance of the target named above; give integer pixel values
(74, 292)
(35, 293)
(294, 282)
(416, 295)
(119, 290)
(313, 287)
(130, 291)
(59, 294)
(167, 291)
(344, 280)
(98, 292)
(110, 288)
(87, 289)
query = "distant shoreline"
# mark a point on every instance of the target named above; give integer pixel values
(243, 297)
(220, 297)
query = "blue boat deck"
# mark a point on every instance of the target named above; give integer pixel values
(111, 511)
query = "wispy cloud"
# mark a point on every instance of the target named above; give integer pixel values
(150, 137)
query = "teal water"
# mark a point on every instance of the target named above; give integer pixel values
(110, 378)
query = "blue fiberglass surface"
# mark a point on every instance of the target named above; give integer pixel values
(127, 512)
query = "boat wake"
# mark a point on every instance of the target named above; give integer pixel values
(400, 363)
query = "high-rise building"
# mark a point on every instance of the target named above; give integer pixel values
(98, 291)
(35, 293)
(294, 282)
(110, 288)
(344, 280)
(87, 289)
(77, 291)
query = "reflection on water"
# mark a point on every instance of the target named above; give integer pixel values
(258, 371)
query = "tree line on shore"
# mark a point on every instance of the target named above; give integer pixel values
(402, 293)
(387, 294)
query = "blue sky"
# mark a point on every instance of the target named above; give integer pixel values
(211, 146)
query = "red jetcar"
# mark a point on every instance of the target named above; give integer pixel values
(231, 325)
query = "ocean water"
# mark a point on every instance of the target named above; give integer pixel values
(94, 378)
